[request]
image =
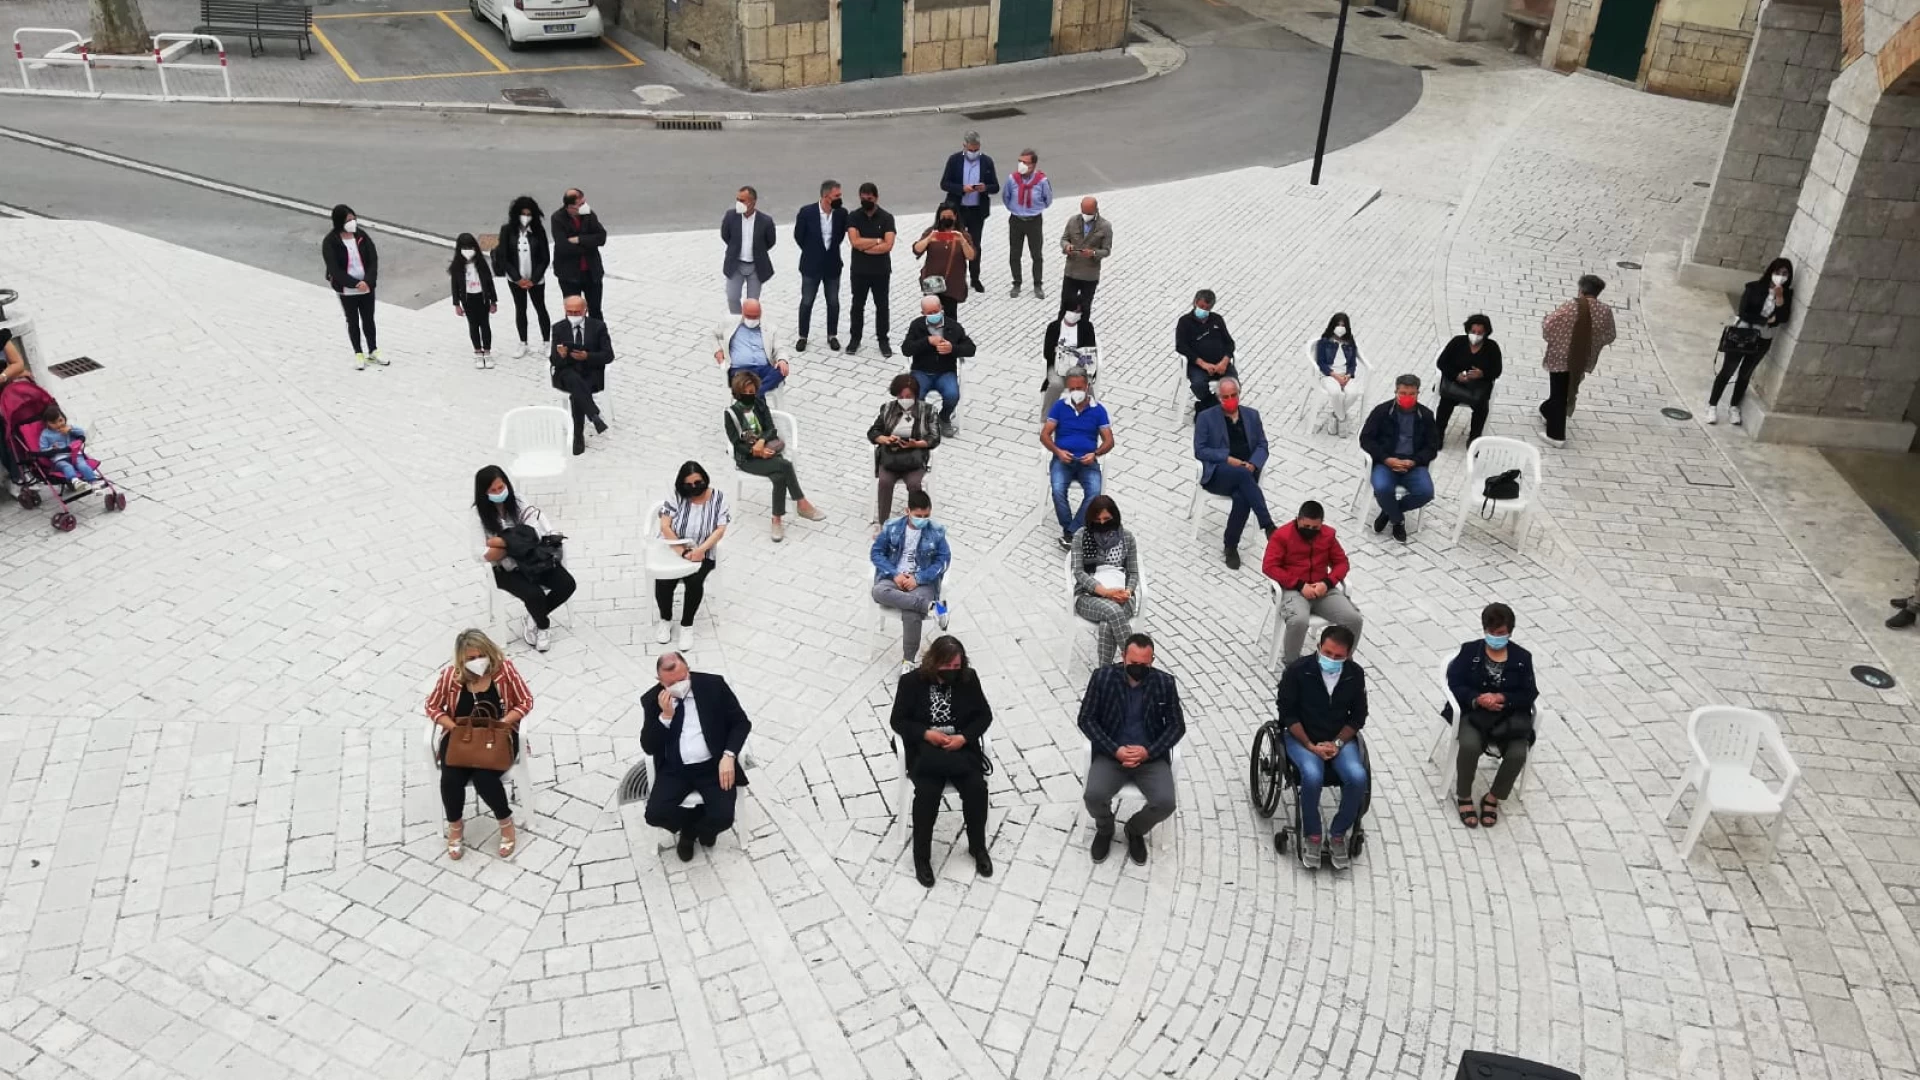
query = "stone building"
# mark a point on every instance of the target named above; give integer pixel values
(781, 44)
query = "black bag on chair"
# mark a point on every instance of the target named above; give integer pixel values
(1498, 488)
(933, 760)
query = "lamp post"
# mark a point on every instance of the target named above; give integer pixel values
(1333, 80)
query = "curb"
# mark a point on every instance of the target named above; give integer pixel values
(1157, 58)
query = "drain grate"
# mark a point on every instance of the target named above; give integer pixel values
(537, 97)
(1324, 14)
(1372, 14)
(1628, 264)
(1393, 37)
(1423, 67)
(1463, 61)
(636, 784)
(79, 365)
(995, 114)
(687, 123)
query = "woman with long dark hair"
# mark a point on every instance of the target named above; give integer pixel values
(353, 268)
(1765, 305)
(1337, 355)
(542, 590)
(522, 257)
(946, 250)
(692, 520)
(940, 714)
(474, 296)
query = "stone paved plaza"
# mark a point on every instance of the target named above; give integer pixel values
(220, 849)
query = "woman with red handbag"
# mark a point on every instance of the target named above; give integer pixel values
(478, 702)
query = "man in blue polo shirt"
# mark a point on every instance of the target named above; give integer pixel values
(1077, 434)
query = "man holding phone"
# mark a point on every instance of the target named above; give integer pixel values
(970, 183)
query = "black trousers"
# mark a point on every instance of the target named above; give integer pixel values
(707, 821)
(359, 309)
(809, 288)
(1026, 230)
(864, 284)
(1554, 409)
(585, 411)
(486, 782)
(479, 323)
(538, 295)
(1445, 413)
(974, 220)
(587, 287)
(696, 584)
(1075, 291)
(1744, 363)
(926, 807)
(542, 595)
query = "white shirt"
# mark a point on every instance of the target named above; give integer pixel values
(746, 237)
(526, 254)
(693, 741)
(826, 228)
(473, 279)
(1332, 681)
(356, 269)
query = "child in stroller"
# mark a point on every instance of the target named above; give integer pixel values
(49, 451)
(64, 447)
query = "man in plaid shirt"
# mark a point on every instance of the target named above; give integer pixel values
(1131, 715)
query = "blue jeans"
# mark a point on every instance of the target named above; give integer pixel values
(949, 387)
(769, 376)
(1419, 490)
(1088, 477)
(1352, 777)
(1244, 486)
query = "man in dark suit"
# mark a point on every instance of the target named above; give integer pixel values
(748, 235)
(818, 228)
(582, 349)
(1131, 716)
(578, 237)
(1232, 447)
(693, 728)
(970, 184)
(1323, 705)
(1402, 437)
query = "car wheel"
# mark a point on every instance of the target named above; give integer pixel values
(473, 8)
(513, 43)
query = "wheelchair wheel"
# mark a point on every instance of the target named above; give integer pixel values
(1264, 770)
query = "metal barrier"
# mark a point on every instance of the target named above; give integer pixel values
(20, 55)
(161, 65)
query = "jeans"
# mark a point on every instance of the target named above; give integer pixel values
(912, 605)
(780, 471)
(1244, 486)
(862, 285)
(585, 287)
(696, 584)
(947, 384)
(1197, 379)
(1419, 490)
(974, 219)
(538, 295)
(769, 376)
(541, 595)
(1026, 230)
(809, 286)
(1062, 474)
(1105, 778)
(359, 310)
(741, 279)
(479, 324)
(75, 468)
(707, 821)
(1350, 774)
(1745, 363)
(1343, 399)
(1513, 757)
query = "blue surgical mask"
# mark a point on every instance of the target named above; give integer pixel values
(918, 522)
(1330, 666)
(1496, 641)
(497, 496)
(1200, 313)
(936, 318)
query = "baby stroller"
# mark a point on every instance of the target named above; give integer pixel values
(22, 404)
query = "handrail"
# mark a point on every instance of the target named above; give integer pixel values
(20, 55)
(160, 64)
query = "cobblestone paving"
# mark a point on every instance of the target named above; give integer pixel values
(219, 846)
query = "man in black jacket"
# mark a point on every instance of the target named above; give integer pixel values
(970, 185)
(582, 349)
(578, 237)
(935, 345)
(748, 235)
(1201, 336)
(1322, 702)
(1402, 437)
(1131, 715)
(693, 728)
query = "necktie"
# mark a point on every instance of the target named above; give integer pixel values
(578, 333)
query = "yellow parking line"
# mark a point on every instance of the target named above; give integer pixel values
(615, 46)
(375, 14)
(335, 53)
(477, 47)
(499, 68)
(510, 71)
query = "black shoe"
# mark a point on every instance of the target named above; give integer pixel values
(1380, 523)
(1136, 848)
(979, 286)
(1016, 289)
(924, 874)
(1102, 843)
(1899, 601)
(1903, 618)
(1400, 531)
(1233, 558)
(800, 346)
(853, 346)
(886, 350)
(708, 841)
(1066, 541)
(1038, 292)
(982, 865)
(599, 426)
(833, 342)
(579, 448)
(684, 846)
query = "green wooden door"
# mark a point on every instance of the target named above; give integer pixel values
(1026, 30)
(1620, 37)
(870, 38)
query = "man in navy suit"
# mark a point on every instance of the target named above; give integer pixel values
(748, 235)
(1232, 448)
(970, 184)
(818, 228)
(693, 728)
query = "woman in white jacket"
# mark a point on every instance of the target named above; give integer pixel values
(499, 510)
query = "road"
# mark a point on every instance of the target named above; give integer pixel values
(1255, 102)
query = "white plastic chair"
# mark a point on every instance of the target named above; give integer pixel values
(1173, 759)
(903, 786)
(1274, 630)
(1089, 631)
(1725, 740)
(789, 429)
(1491, 455)
(493, 591)
(1200, 495)
(1320, 403)
(518, 779)
(1446, 748)
(539, 439)
(660, 560)
(1364, 508)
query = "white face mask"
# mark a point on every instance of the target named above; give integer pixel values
(466, 253)
(526, 219)
(1088, 218)
(1076, 396)
(351, 226)
(681, 689)
(751, 324)
(741, 208)
(1339, 331)
(576, 319)
(906, 401)
(1071, 318)
(1024, 168)
(584, 208)
(1476, 339)
(1780, 279)
(478, 666)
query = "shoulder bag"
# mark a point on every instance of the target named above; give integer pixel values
(936, 284)
(1471, 394)
(1499, 488)
(480, 741)
(1740, 339)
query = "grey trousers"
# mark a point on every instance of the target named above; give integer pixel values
(913, 480)
(1513, 757)
(1030, 232)
(1107, 777)
(741, 278)
(1296, 609)
(1115, 620)
(913, 610)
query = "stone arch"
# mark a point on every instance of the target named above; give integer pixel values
(1899, 59)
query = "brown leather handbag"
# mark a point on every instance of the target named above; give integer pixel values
(480, 741)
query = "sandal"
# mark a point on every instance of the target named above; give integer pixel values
(1468, 817)
(1489, 811)
(509, 839)
(456, 844)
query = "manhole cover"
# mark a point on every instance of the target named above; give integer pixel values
(537, 97)
(1672, 413)
(1705, 476)
(1872, 676)
(1701, 183)
(995, 114)
(1625, 264)
(1393, 37)
(1462, 61)
(67, 369)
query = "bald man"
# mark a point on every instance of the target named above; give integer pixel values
(746, 342)
(1086, 243)
(934, 346)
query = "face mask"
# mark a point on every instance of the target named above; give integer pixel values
(478, 665)
(466, 253)
(1307, 532)
(972, 155)
(1497, 641)
(906, 401)
(868, 204)
(584, 209)
(1076, 396)
(576, 319)
(741, 208)
(681, 689)
(751, 324)
(1138, 672)
(1101, 526)
(1088, 218)
(1230, 402)
(1199, 313)
(1339, 331)
(916, 522)
(694, 490)
(746, 399)
(836, 204)
(936, 318)
(947, 222)
(526, 219)
(498, 496)
(1071, 318)
(947, 675)
(1780, 279)
(351, 226)
(1024, 168)
(1475, 339)
(1406, 400)
(1330, 666)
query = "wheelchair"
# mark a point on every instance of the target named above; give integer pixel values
(1270, 773)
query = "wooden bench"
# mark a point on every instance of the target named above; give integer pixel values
(1525, 29)
(258, 21)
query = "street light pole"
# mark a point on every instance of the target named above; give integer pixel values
(1333, 79)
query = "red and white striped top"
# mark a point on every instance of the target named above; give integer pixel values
(514, 694)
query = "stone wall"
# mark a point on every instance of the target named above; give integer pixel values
(704, 31)
(1434, 15)
(1775, 126)
(786, 43)
(1699, 62)
(1573, 22)
(950, 34)
(1088, 25)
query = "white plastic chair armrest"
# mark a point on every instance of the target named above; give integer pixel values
(1790, 770)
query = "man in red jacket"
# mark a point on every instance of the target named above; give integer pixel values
(1306, 560)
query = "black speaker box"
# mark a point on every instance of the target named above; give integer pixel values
(1480, 1065)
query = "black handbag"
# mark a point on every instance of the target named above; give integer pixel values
(1499, 488)
(947, 764)
(1738, 340)
(1471, 394)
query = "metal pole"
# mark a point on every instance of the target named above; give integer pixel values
(1333, 80)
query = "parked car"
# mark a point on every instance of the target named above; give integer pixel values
(523, 21)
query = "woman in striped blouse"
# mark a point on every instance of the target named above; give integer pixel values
(480, 676)
(693, 519)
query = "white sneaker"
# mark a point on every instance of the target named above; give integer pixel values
(479, 362)
(663, 633)
(686, 639)
(374, 357)
(1733, 415)
(1713, 415)
(524, 350)
(542, 640)
(359, 361)
(908, 667)
(531, 635)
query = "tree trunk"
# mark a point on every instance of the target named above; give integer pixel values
(119, 29)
